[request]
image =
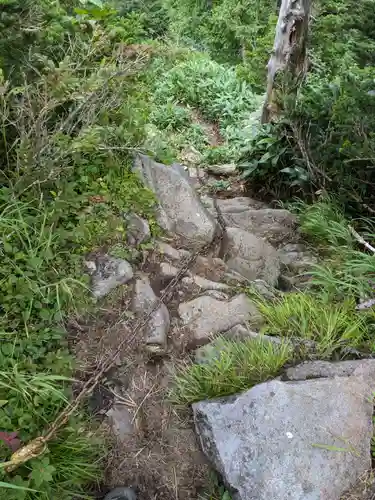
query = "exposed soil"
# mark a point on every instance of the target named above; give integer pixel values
(161, 458)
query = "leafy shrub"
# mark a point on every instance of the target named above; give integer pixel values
(170, 116)
(236, 367)
(269, 164)
(212, 88)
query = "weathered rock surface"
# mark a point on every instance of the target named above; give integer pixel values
(203, 283)
(241, 332)
(108, 273)
(238, 204)
(224, 169)
(121, 493)
(206, 316)
(275, 225)
(171, 252)
(138, 230)
(167, 271)
(325, 369)
(306, 440)
(251, 256)
(157, 327)
(120, 420)
(180, 209)
(296, 257)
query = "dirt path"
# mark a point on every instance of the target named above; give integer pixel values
(158, 453)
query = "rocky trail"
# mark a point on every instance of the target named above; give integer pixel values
(305, 435)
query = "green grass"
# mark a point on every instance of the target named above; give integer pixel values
(331, 325)
(324, 224)
(215, 490)
(238, 366)
(67, 138)
(347, 268)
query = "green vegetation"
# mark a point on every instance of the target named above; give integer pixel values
(214, 490)
(236, 367)
(85, 84)
(71, 116)
(330, 326)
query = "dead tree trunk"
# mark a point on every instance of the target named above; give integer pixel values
(288, 60)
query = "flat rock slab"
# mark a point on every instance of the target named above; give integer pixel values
(180, 209)
(158, 323)
(206, 316)
(251, 256)
(275, 225)
(108, 273)
(325, 369)
(306, 440)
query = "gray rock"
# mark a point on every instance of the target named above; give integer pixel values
(239, 204)
(224, 169)
(110, 273)
(180, 209)
(296, 257)
(251, 256)
(264, 289)
(275, 225)
(138, 230)
(241, 332)
(170, 252)
(157, 327)
(121, 493)
(217, 295)
(203, 283)
(120, 420)
(206, 316)
(167, 271)
(290, 440)
(325, 369)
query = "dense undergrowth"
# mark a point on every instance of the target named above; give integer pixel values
(85, 84)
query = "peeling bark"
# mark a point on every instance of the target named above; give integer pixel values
(289, 50)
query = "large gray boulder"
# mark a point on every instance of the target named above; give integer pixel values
(275, 225)
(206, 316)
(251, 256)
(180, 209)
(158, 322)
(307, 440)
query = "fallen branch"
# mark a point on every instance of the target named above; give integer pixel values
(359, 238)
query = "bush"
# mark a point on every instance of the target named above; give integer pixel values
(212, 88)
(236, 367)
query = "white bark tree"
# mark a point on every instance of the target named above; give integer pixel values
(288, 57)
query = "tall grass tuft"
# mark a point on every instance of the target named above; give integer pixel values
(237, 367)
(331, 326)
